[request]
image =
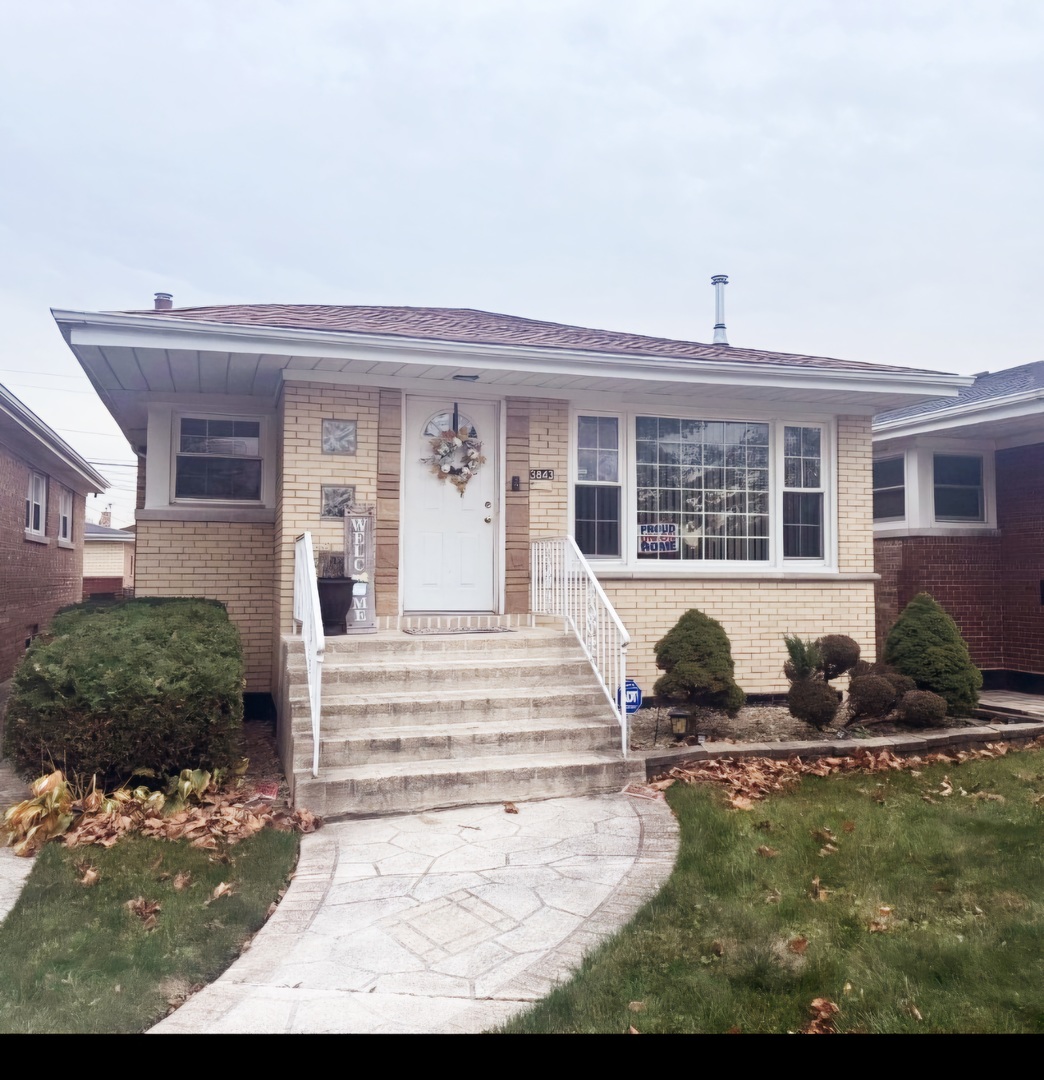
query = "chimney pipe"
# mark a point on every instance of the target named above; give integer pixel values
(719, 281)
(164, 301)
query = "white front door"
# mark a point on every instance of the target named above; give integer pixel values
(449, 537)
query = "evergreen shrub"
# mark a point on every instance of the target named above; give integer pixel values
(870, 695)
(144, 684)
(838, 653)
(813, 700)
(922, 708)
(926, 645)
(696, 657)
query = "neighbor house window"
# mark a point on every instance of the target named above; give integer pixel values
(889, 489)
(597, 492)
(65, 512)
(36, 505)
(957, 481)
(802, 493)
(218, 460)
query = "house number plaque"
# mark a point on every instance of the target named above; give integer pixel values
(541, 474)
(360, 559)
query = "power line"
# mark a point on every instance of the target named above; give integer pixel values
(51, 374)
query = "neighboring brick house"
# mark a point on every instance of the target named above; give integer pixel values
(692, 475)
(108, 561)
(43, 488)
(959, 513)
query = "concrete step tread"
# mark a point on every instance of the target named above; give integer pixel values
(448, 767)
(463, 664)
(489, 729)
(457, 694)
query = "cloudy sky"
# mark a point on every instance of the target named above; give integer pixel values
(868, 174)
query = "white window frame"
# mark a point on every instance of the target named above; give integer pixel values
(37, 533)
(65, 518)
(164, 430)
(776, 562)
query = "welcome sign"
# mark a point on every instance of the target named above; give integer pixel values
(360, 559)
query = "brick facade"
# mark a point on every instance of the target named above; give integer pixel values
(35, 579)
(992, 584)
(233, 562)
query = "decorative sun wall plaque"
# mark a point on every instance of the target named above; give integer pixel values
(336, 500)
(339, 436)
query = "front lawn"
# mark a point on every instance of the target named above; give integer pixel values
(75, 958)
(914, 903)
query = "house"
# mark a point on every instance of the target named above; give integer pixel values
(690, 475)
(44, 484)
(959, 513)
(108, 561)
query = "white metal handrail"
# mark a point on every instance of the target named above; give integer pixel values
(310, 620)
(562, 583)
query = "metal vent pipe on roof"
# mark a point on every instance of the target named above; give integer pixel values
(719, 281)
(164, 301)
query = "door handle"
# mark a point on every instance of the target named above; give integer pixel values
(488, 520)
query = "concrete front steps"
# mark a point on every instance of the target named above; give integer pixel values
(423, 722)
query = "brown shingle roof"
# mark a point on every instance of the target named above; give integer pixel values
(489, 328)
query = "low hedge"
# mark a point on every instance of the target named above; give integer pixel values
(144, 684)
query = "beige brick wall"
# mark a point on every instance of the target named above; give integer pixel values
(755, 614)
(228, 561)
(854, 495)
(304, 468)
(549, 449)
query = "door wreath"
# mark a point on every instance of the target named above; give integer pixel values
(455, 456)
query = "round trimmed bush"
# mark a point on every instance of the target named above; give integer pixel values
(838, 653)
(901, 684)
(870, 695)
(922, 708)
(926, 645)
(697, 660)
(814, 701)
(146, 684)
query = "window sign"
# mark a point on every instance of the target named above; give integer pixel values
(662, 536)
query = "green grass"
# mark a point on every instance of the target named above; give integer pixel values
(74, 959)
(965, 945)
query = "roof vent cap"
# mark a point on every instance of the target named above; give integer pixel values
(164, 301)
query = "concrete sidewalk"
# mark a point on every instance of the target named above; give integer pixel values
(13, 870)
(447, 921)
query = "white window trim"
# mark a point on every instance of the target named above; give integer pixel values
(687, 568)
(164, 427)
(65, 513)
(919, 466)
(39, 535)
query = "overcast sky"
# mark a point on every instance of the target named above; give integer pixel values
(869, 175)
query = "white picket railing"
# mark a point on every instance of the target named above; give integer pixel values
(563, 584)
(307, 615)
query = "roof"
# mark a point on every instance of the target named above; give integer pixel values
(988, 388)
(27, 434)
(103, 532)
(489, 328)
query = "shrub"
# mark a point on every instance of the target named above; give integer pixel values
(922, 708)
(145, 684)
(926, 645)
(805, 658)
(870, 695)
(901, 684)
(697, 660)
(838, 653)
(813, 700)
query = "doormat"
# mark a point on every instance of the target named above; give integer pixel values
(459, 630)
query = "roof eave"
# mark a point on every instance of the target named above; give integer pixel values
(958, 416)
(116, 328)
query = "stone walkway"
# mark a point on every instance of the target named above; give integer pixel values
(13, 870)
(447, 921)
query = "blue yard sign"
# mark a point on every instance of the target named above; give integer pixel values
(632, 697)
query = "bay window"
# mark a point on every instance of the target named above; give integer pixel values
(889, 489)
(680, 491)
(958, 487)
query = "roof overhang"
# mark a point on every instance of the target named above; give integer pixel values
(129, 358)
(31, 438)
(1013, 420)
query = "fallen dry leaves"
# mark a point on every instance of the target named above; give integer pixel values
(146, 910)
(751, 779)
(822, 1011)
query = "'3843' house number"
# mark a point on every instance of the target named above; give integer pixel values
(541, 474)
